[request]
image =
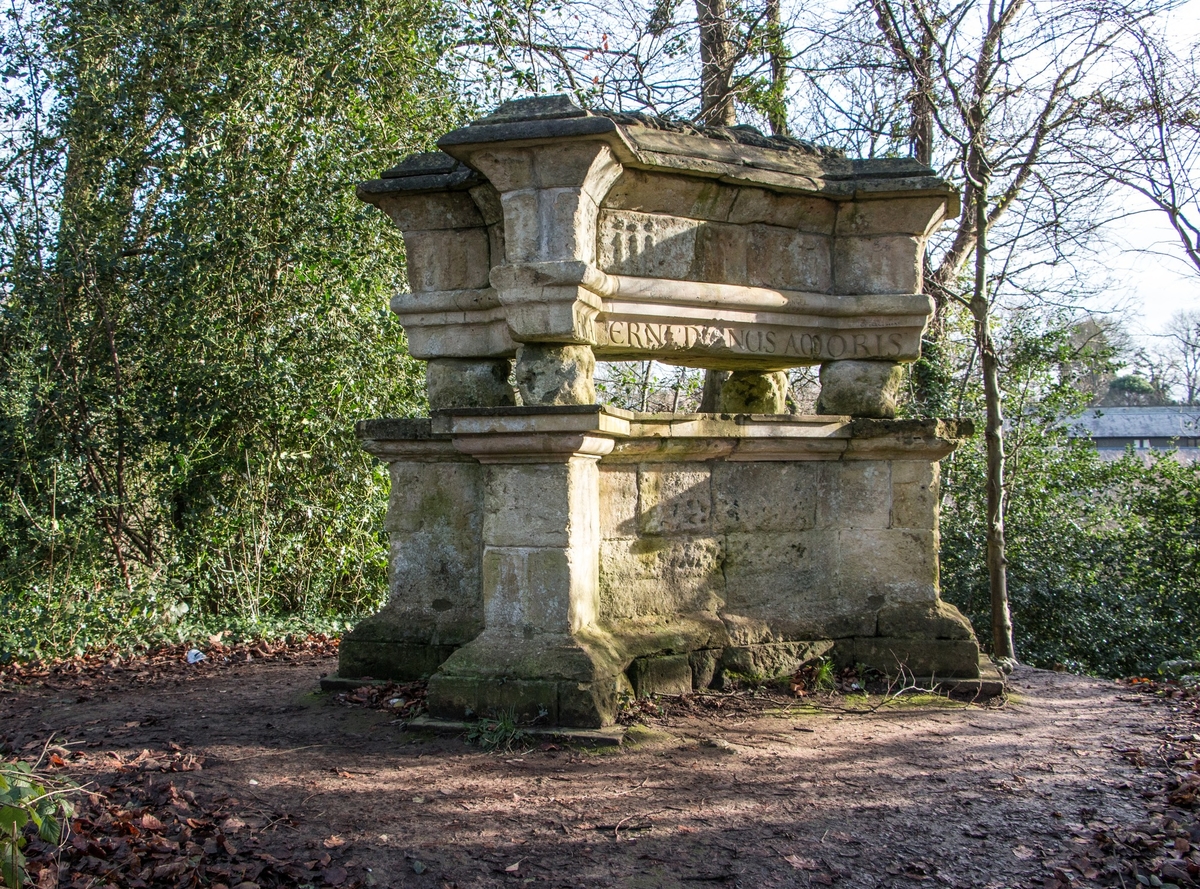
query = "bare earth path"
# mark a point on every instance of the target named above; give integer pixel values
(309, 791)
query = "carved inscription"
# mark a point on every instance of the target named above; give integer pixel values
(749, 339)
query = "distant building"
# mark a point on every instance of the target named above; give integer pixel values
(1144, 429)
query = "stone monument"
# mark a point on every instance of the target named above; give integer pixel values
(548, 553)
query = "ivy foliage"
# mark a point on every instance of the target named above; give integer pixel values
(27, 798)
(193, 308)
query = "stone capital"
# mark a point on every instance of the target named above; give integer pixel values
(534, 435)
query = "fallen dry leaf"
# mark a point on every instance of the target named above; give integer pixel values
(801, 863)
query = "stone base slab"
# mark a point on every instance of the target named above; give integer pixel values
(612, 736)
(554, 680)
(694, 548)
(938, 662)
(392, 661)
(336, 682)
(991, 683)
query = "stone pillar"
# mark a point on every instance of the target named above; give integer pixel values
(550, 192)
(540, 652)
(459, 382)
(434, 528)
(860, 388)
(752, 392)
(551, 374)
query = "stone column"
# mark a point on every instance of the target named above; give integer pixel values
(550, 193)
(753, 392)
(540, 652)
(860, 388)
(879, 249)
(466, 382)
(552, 374)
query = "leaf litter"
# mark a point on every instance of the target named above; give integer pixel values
(832, 804)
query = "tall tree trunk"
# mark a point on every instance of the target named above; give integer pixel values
(777, 50)
(1002, 633)
(716, 108)
(709, 395)
(716, 64)
(934, 378)
(921, 137)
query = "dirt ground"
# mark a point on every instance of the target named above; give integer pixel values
(239, 773)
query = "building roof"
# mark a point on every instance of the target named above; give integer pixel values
(1174, 421)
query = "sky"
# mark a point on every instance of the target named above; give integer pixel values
(1151, 278)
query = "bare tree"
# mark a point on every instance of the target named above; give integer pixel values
(1183, 337)
(992, 94)
(1146, 133)
(995, 86)
(717, 59)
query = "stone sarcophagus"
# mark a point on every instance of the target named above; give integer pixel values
(548, 553)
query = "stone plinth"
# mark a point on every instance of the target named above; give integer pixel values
(549, 554)
(642, 239)
(612, 551)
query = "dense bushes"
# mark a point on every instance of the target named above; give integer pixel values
(193, 310)
(1104, 557)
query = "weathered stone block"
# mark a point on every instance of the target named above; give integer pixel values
(402, 661)
(556, 374)
(647, 245)
(447, 260)
(671, 195)
(434, 583)
(704, 663)
(587, 165)
(900, 564)
(751, 392)
(590, 704)
(674, 499)
(720, 254)
(432, 212)
(793, 585)
(531, 590)
(453, 697)
(434, 495)
(909, 216)
(528, 700)
(914, 494)
(772, 659)
(566, 225)
(806, 214)
(522, 225)
(456, 382)
(881, 264)
(854, 495)
(788, 260)
(618, 501)
(542, 504)
(860, 388)
(496, 671)
(507, 169)
(660, 576)
(764, 496)
(663, 675)
(924, 620)
(922, 658)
